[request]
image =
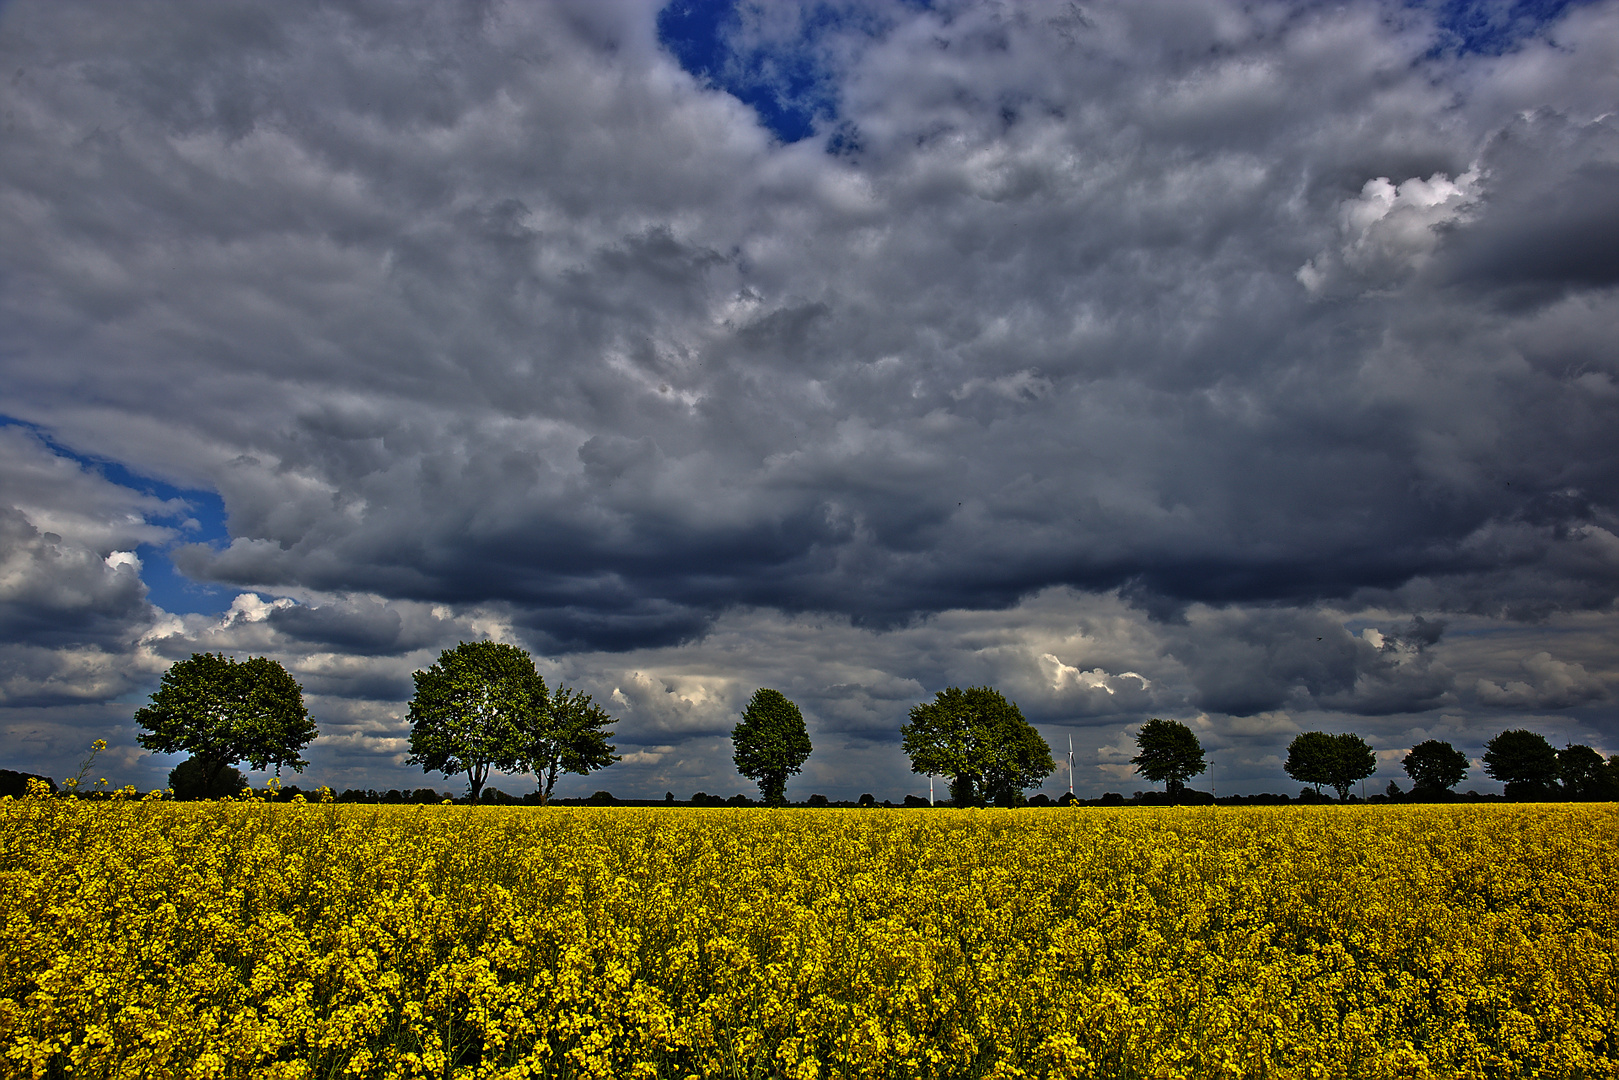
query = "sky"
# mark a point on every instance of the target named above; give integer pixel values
(1251, 365)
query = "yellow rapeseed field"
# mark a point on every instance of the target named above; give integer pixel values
(153, 939)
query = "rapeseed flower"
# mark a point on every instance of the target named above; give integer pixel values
(248, 938)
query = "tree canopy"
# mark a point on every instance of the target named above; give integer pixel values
(1170, 754)
(1523, 761)
(190, 780)
(1434, 766)
(1584, 775)
(1337, 761)
(770, 744)
(471, 709)
(567, 736)
(981, 741)
(222, 712)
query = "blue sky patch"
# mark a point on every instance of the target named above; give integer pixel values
(1493, 27)
(788, 81)
(202, 522)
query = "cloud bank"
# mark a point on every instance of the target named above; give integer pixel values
(1251, 364)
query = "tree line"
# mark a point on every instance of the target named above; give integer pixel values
(1525, 762)
(484, 708)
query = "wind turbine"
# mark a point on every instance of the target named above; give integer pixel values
(1070, 767)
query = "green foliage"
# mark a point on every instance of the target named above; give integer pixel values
(471, 709)
(221, 712)
(190, 780)
(1525, 762)
(566, 736)
(1337, 761)
(1584, 776)
(1434, 766)
(980, 740)
(770, 744)
(1170, 753)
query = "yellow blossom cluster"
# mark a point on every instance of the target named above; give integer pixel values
(260, 939)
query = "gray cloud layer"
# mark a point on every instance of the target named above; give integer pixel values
(1235, 331)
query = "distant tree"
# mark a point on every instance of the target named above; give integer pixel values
(1523, 761)
(1356, 761)
(190, 780)
(1583, 774)
(1434, 767)
(471, 708)
(1170, 753)
(14, 785)
(1337, 761)
(567, 735)
(770, 744)
(221, 712)
(1309, 759)
(981, 741)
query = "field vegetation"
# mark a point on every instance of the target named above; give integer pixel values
(260, 939)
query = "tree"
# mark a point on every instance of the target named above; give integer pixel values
(770, 744)
(1584, 775)
(189, 780)
(1434, 767)
(981, 741)
(1309, 758)
(471, 708)
(1337, 761)
(1169, 753)
(221, 712)
(566, 736)
(1525, 762)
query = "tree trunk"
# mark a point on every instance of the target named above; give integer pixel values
(476, 774)
(212, 770)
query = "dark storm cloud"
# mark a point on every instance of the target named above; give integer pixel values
(366, 627)
(56, 592)
(627, 410)
(1552, 223)
(1243, 663)
(491, 319)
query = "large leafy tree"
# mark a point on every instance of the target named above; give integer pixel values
(1170, 754)
(1584, 775)
(221, 712)
(981, 741)
(1434, 767)
(1525, 762)
(1337, 761)
(770, 744)
(568, 735)
(471, 709)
